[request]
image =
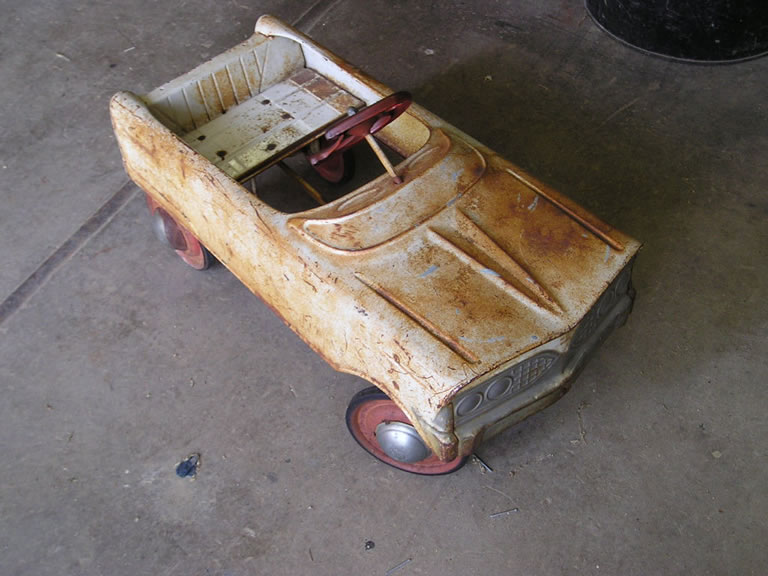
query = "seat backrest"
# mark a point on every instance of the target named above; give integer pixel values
(208, 91)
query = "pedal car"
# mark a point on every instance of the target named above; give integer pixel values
(467, 292)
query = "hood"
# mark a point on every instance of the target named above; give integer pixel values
(475, 254)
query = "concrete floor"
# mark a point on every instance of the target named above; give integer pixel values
(116, 360)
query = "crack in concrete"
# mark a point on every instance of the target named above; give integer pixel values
(69, 248)
(582, 431)
(312, 15)
(307, 20)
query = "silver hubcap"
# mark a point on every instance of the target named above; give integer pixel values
(168, 231)
(401, 442)
(158, 226)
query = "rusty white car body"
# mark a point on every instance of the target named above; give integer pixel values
(469, 292)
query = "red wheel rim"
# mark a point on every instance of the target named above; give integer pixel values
(366, 416)
(332, 169)
(195, 253)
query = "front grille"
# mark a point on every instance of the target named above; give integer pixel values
(602, 307)
(504, 386)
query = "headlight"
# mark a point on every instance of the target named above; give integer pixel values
(503, 386)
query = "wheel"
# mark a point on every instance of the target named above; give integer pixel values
(385, 432)
(179, 238)
(346, 132)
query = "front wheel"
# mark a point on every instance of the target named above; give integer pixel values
(337, 169)
(385, 432)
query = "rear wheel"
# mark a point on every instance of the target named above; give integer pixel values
(385, 432)
(179, 238)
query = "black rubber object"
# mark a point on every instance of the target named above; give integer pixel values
(691, 30)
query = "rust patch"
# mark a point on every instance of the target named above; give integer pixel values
(224, 89)
(420, 320)
(321, 88)
(545, 237)
(303, 76)
(591, 223)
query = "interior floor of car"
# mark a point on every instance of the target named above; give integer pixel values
(283, 190)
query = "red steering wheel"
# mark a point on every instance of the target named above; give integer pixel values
(346, 132)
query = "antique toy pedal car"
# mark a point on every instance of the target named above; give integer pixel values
(468, 293)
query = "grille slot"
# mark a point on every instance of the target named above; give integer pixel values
(602, 307)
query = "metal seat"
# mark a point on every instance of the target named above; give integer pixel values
(271, 125)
